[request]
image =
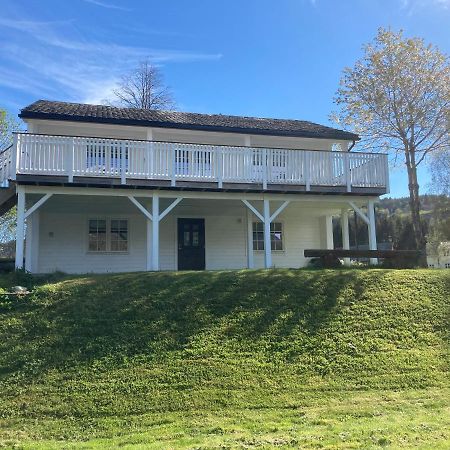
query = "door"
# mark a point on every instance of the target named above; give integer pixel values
(191, 244)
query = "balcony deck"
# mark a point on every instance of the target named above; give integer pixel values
(92, 161)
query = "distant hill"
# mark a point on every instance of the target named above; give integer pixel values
(394, 225)
(401, 205)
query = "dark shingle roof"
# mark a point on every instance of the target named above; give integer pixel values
(44, 109)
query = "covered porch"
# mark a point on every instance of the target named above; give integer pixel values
(81, 230)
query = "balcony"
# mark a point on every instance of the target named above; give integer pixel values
(93, 160)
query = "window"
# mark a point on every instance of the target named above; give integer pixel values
(108, 235)
(276, 236)
(119, 235)
(97, 235)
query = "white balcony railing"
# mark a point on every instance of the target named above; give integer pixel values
(132, 159)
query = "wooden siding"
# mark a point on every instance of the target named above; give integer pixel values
(63, 235)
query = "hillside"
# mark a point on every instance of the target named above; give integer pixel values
(301, 358)
(393, 223)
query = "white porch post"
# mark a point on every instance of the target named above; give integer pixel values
(267, 243)
(345, 235)
(250, 256)
(266, 219)
(329, 232)
(152, 227)
(20, 227)
(148, 228)
(372, 230)
(155, 231)
(32, 243)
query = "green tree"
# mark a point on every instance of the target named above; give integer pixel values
(440, 172)
(397, 97)
(7, 126)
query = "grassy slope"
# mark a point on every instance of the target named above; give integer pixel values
(333, 359)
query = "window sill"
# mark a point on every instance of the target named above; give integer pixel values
(107, 252)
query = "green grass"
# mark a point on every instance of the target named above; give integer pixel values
(250, 359)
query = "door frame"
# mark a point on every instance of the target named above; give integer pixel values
(189, 216)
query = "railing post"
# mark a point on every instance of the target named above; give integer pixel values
(307, 171)
(173, 165)
(14, 157)
(70, 152)
(264, 168)
(149, 159)
(347, 173)
(123, 165)
(219, 167)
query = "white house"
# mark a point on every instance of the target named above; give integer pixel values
(105, 189)
(440, 259)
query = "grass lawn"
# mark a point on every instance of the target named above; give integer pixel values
(250, 359)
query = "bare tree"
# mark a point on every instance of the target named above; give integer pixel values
(144, 88)
(397, 97)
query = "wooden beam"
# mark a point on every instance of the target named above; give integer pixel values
(339, 200)
(38, 204)
(254, 210)
(359, 212)
(311, 253)
(140, 207)
(169, 208)
(279, 210)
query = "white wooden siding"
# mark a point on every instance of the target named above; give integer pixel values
(63, 235)
(173, 135)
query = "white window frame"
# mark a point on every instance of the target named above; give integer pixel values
(283, 237)
(108, 221)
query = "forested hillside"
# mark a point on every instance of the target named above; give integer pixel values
(394, 223)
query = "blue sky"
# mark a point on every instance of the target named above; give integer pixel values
(269, 58)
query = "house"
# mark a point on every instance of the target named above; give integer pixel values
(440, 257)
(106, 189)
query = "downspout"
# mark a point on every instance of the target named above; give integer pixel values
(351, 146)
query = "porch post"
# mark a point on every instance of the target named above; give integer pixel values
(155, 231)
(329, 232)
(267, 243)
(345, 235)
(372, 230)
(32, 243)
(20, 227)
(148, 227)
(250, 258)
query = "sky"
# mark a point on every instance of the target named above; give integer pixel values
(266, 58)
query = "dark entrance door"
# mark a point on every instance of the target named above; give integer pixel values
(191, 244)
